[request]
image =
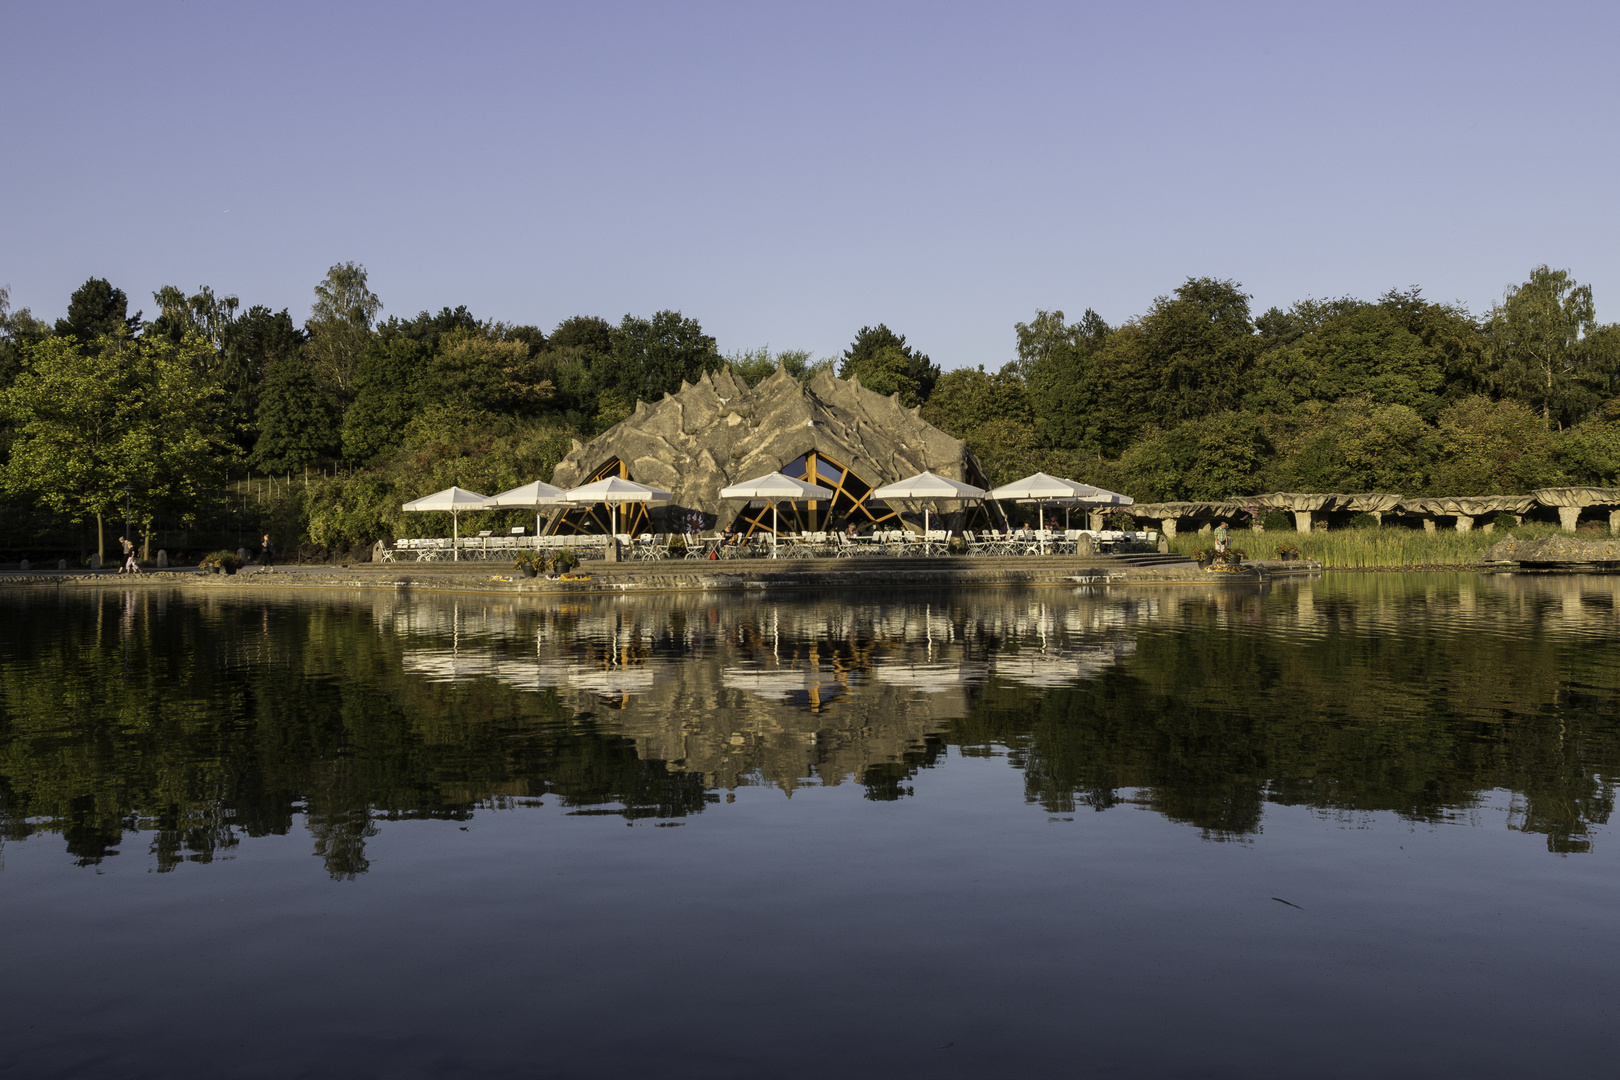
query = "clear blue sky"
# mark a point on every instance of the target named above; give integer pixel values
(788, 173)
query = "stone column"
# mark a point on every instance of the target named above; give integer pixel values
(163, 559)
(1488, 527)
(95, 561)
(1428, 525)
(1095, 521)
(1302, 521)
(1167, 526)
(1378, 516)
(1567, 516)
(1614, 522)
(1465, 523)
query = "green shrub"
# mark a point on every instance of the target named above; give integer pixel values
(224, 560)
(1277, 521)
(1364, 521)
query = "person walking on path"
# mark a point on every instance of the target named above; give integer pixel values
(269, 558)
(129, 565)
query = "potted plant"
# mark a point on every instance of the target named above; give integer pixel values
(1288, 551)
(221, 562)
(564, 561)
(525, 563)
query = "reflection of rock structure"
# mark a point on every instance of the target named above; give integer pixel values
(784, 693)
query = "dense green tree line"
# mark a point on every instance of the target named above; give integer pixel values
(1200, 399)
(1197, 398)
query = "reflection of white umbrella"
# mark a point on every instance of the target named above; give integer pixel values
(775, 487)
(614, 490)
(931, 678)
(927, 487)
(452, 500)
(533, 496)
(614, 681)
(1040, 488)
(1037, 669)
(774, 684)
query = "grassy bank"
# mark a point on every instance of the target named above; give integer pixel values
(1389, 547)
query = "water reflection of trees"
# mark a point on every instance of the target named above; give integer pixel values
(197, 722)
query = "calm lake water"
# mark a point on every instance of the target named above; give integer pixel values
(1352, 827)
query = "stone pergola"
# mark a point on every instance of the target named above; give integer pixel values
(1464, 509)
(1571, 501)
(1171, 514)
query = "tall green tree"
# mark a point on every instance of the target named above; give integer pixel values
(18, 330)
(1352, 445)
(649, 358)
(1058, 363)
(252, 344)
(1451, 335)
(202, 313)
(97, 309)
(1358, 350)
(121, 413)
(887, 365)
(340, 326)
(1537, 347)
(1208, 459)
(298, 417)
(1190, 356)
(1493, 447)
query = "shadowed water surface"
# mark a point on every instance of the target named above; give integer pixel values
(1335, 828)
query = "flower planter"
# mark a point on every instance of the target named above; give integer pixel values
(529, 570)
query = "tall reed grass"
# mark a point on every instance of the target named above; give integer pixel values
(1390, 547)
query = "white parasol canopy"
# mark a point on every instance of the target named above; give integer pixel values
(614, 490)
(1040, 488)
(774, 487)
(452, 500)
(1104, 497)
(534, 495)
(927, 488)
(1097, 497)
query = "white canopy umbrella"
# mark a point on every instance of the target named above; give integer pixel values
(927, 487)
(614, 490)
(1039, 488)
(451, 500)
(1097, 497)
(535, 496)
(774, 487)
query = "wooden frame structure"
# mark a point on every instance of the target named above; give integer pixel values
(633, 516)
(851, 499)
